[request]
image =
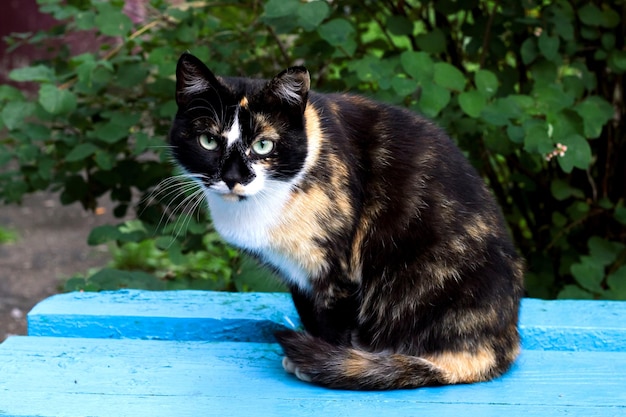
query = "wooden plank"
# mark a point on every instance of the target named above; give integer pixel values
(164, 315)
(48, 376)
(573, 325)
(204, 315)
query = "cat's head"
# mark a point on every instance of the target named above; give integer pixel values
(237, 136)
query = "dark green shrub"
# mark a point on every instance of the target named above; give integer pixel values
(516, 83)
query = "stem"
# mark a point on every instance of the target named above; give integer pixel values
(572, 225)
(487, 35)
(281, 47)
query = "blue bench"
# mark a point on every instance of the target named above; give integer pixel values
(195, 353)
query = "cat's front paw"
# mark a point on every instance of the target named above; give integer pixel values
(291, 368)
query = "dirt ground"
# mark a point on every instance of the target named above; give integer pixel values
(51, 246)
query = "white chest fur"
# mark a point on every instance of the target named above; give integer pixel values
(248, 224)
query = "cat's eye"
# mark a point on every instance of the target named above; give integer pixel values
(263, 147)
(208, 142)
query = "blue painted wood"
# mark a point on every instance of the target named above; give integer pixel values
(51, 376)
(573, 325)
(200, 315)
(164, 315)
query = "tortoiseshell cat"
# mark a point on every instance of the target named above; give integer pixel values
(394, 250)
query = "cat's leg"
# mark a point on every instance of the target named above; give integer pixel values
(331, 321)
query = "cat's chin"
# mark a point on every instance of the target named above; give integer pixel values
(232, 197)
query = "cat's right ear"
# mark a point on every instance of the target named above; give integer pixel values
(192, 78)
(291, 87)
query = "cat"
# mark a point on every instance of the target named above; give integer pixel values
(394, 250)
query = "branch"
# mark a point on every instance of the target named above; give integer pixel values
(487, 35)
(281, 46)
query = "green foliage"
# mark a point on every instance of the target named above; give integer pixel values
(532, 92)
(7, 236)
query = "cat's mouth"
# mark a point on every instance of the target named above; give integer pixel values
(232, 195)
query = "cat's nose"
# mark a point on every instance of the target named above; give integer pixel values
(236, 171)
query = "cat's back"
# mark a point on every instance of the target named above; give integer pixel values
(395, 153)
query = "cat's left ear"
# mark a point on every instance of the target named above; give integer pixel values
(291, 87)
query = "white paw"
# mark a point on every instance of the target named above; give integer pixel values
(291, 368)
(302, 376)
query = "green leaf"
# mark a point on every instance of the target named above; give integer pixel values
(103, 234)
(486, 82)
(340, 33)
(589, 274)
(433, 42)
(595, 112)
(105, 160)
(131, 75)
(14, 113)
(578, 154)
(536, 139)
(561, 190)
(563, 26)
(544, 73)
(433, 99)
(492, 114)
(81, 152)
(472, 102)
(448, 76)
(10, 93)
(399, 25)
(574, 292)
(251, 276)
(312, 14)
(549, 46)
(109, 132)
(529, 51)
(27, 153)
(550, 98)
(109, 279)
(403, 86)
(515, 133)
(603, 251)
(37, 73)
(55, 100)
(617, 282)
(592, 15)
(418, 65)
(617, 61)
(85, 20)
(280, 8)
(112, 22)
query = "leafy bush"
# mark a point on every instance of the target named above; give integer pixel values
(532, 91)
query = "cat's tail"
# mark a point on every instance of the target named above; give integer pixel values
(314, 360)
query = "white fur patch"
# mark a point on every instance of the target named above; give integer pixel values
(247, 223)
(195, 85)
(290, 89)
(234, 133)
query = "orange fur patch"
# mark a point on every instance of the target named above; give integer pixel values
(465, 367)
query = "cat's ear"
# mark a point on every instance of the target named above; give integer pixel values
(192, 78)
(291, 87)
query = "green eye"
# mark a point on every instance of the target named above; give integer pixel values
(263, 147)
(208, 142)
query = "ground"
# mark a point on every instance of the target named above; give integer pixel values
(51, 246)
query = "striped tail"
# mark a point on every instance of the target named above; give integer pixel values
(314, 360)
